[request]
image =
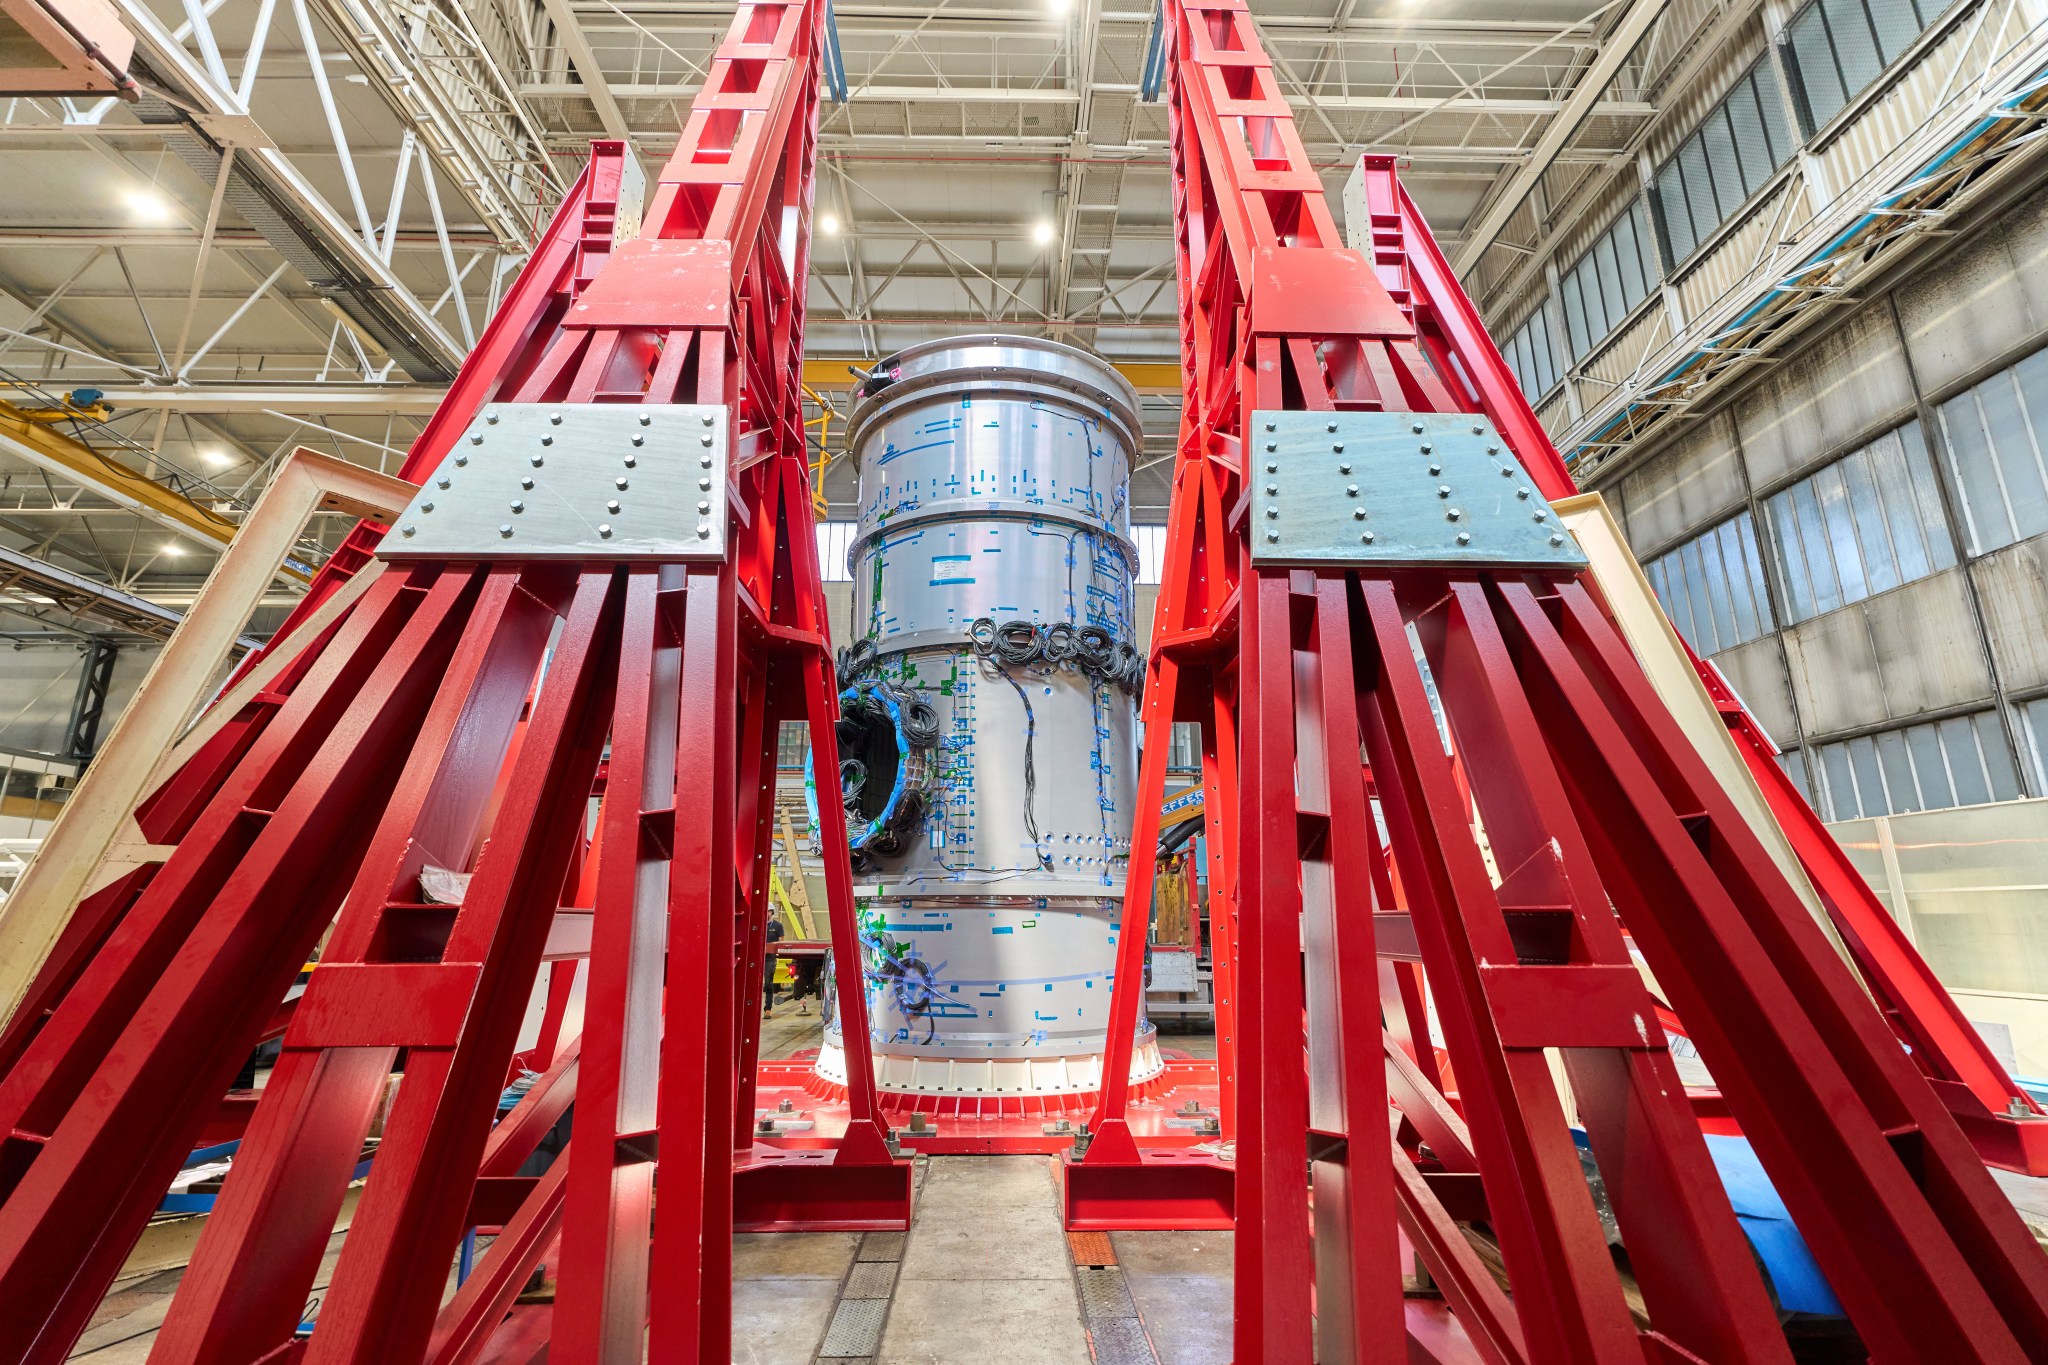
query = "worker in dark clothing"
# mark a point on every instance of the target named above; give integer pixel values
(768, 960)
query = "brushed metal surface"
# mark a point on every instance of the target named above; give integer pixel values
(1396, 488)
(575, 481)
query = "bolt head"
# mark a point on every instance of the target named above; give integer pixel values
(619, 482)
(1522, 493)
(1478, 430)
(407, 530)
(706, 419)
(604, 529)
(1331, 427)
(704, 463)
(1506, 473)
(426, 507)
(440, 483)
(1272, 514)
(1272, 466)
(536, 461)
(1436, 469)
(490, 419)
(1272, 536)
(1543, 516)
(505, 528)
(477, 439)
(703, 531)
(547, 440)
(1426, 447)
(1416, 428)
(1464, 538)
(703, 509)
(704, 485)
(705, 439)
(1272, 446)
(554, 419)
(1270, 426)
(630, 461)
(526, 483)
(1493, 450)
(518, 506)
(1350, 490)
(638, 439)
(1337, 446)
(1557, 540)
(646, 420)
(612, 507)
(1369, 537)
(1272, 489)
(1453, 514)
(461, 460)
(1443, 490)
(1358, 514)
(1344, 468)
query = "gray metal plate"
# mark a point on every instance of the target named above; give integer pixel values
(1121, 1341)
(1104, 1293)
(870, 1280)
(575, 481)
(856, 1328)
(1395, 488)
(881, 1246)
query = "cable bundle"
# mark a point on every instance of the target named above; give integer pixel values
(1019, 643)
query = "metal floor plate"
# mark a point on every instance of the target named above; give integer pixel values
(1121, 1341)
(881, 1246)
(856, 1328)
(871, 1280)
(1104, 1294)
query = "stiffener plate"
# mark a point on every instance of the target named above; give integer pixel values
(1396, 488)
(575, 481)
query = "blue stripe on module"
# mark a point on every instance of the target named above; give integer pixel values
(949, 582)
(1004, 929)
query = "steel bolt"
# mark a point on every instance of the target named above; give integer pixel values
(1344, 468)
(612, 507)
(1269, 426)
(554, 419)
(547, 440)
(646, 420)
(1331, 427)
(1426, 447)
(518, 506)
(537, 461)
(1416, 428)
(630, 461)
(619, 482)
(1337, 446)
(461, 460)
(1443, 490)
(1358, 514)
(1272, 446)
(1436, 469)
(1272, 536)
(1478, 430)
(1521, 492)
(703, 509)
(704, 462)
(604, 529)
(1493, 450)
(706, 419)
(1368, 537)
(704, 485)
(705, 439)
(1453, 514)
(638, 439)
(1272, 513)
(1543, 516)
(505, 529)
(1557, 540)
(407, 530)
(440, 483)
(1506, 473)
(703, 531)
(1464, 538)
(526, 483)
(1272, 489)
(491, 419)
(426, 507)
(1272, 467)
(1350, 490)
(477, 439)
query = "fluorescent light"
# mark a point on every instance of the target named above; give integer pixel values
(1059, 6)
(1041, 231)
(218, 458)
(174, 549)
(148, 205)
(828, 223)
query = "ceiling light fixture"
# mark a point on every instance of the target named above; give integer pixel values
(218, 458)
(148, 205)
(1041, 232)
(1059, 6)
(174, 549)
(828, 223)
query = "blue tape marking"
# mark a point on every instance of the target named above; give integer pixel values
(1003, 929)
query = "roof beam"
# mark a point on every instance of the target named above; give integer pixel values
(1583, 103)
(595, 87)
(51, 450)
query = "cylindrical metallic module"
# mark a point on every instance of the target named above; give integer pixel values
(989, 746)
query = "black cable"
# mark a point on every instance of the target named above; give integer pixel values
(1030, 773)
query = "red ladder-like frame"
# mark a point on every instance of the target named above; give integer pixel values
(1593, 803)
(436, 723)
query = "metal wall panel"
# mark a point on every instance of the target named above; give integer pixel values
(1682, 115)
(2012, 586)
(1834, 672)
(1757, 672)
(1696, 481)
(1828, 399)
(37, 685)
(1929, 654)
(1964, 312)
(1616, 361)
(1733, 261)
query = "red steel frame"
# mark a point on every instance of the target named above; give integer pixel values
(424, 729)
(1597, 815)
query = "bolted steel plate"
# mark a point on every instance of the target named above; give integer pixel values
(581, 481)
(856, 1328)
(1395, 488)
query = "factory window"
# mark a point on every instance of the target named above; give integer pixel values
(792, 745)
(1529, 355)
(1737, 146)
(1866, 523)
(1994, 434)
(1961, 761)
(834, 539)
(1151, 551)
(2034, 734)
(1616, 273)
(1834, 49)
(1712, 587)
